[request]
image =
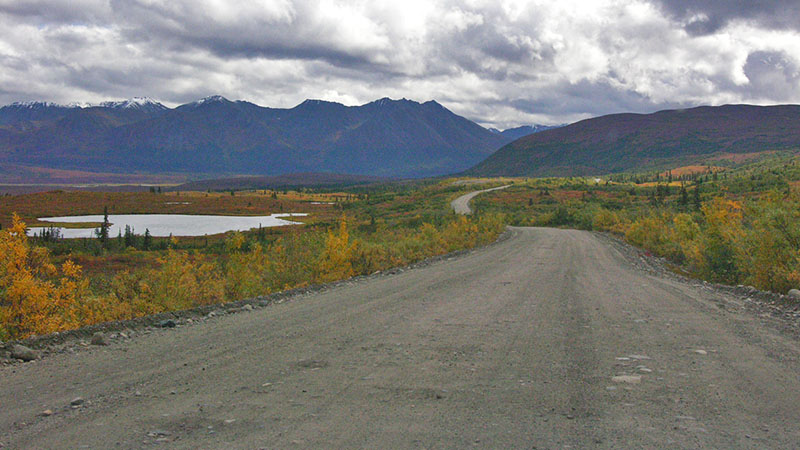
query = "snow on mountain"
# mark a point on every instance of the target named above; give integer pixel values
(132, 103)
(140, 103)
(78, 105)
(211, 99)
(26, 115)
(36, 105)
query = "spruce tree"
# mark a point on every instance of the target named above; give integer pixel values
(146, 240)
(102, 232)
(683, 200)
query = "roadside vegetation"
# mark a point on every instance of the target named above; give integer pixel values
(49, 284)
(734, 226)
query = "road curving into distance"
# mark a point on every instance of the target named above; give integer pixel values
(461, 204)
(547, 339)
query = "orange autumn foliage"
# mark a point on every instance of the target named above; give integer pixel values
(35, 296)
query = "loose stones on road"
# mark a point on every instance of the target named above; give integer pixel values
(159, 436)
(169, 323)
(99, 339)
(630, 379)
(23, 353)
(159, 433)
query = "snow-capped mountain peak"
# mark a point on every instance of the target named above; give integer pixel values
(78, 105)
(211, 99)
(37, 105)
(140, 103)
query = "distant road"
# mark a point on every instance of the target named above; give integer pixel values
(461, 204)
(548, 339)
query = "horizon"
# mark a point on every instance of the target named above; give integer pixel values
(172, 106)
(105, 103)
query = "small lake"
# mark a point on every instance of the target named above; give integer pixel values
(165, 224)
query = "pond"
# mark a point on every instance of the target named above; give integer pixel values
(166, 224)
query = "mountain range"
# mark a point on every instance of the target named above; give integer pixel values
(215, 137)
(665, 139)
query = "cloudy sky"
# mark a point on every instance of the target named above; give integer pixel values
(500, 63)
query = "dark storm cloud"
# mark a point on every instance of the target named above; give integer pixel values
(287, 30)
(501, 63)
(772, 75)
(571, 99)
(491, 47)
(708, 16)
(50, 12)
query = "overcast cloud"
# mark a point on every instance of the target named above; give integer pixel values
(500, 63)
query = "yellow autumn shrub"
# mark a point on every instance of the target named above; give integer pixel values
(649, 232)
(720, 240)
(35, 296)
(335, 262)
(770, 244)
(460, 233)
(246, 274)
(182, 283)
(372, 257)
(607, 220)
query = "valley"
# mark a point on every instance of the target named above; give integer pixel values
(446, 224)
(430, 296)
(729, 224)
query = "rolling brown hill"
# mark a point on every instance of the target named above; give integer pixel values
(624, 142)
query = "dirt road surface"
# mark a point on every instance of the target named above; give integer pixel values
(550, 338)
(461, 204)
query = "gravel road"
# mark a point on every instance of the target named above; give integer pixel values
(461, 204)
(550, 338)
